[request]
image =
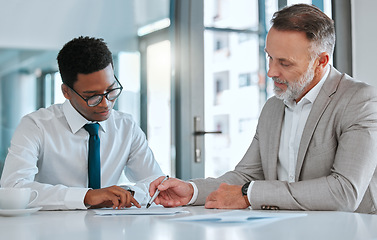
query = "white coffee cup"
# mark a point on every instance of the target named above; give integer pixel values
(16, 198)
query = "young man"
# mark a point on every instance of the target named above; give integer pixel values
(315, 146)
(51, 147)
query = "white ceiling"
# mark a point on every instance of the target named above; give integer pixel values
(32, 31)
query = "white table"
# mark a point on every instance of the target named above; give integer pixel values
(85, 225)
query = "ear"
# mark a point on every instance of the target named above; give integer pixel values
(323, 60)
(65, 91)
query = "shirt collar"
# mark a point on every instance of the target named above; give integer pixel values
(312, 94)
(76, 121)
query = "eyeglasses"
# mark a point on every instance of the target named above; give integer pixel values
(97, 99)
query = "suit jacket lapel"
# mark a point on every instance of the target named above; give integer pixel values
(277, 121)
(319, 106)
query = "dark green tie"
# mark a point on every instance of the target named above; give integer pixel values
(94, 163)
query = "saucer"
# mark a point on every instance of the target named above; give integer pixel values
(16, 212)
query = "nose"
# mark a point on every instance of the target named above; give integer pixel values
(272, 70)
(104, 103)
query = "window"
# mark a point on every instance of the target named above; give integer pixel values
(236, 85)
(231, 70)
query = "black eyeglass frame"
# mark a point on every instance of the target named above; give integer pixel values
(101, 95)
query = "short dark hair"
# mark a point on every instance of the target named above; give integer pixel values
(317, 26)
(82, 55)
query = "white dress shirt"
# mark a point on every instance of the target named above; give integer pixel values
(49, 153)
(295, 117)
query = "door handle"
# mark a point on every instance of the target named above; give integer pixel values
(203, 132)
(197, 133)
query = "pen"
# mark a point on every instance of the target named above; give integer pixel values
(156, 193)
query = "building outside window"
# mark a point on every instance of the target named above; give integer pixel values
(234, 45)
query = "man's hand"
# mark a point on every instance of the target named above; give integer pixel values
(173, 192)
(226, 197)
(114, 196)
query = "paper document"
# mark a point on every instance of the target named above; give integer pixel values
(237, 216)
(154, 210)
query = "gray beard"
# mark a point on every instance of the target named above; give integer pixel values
(294, 89)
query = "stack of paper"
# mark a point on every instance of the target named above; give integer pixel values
(154, 210)
(237, 216)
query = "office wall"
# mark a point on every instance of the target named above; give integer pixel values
(364, 42)
(48, 24)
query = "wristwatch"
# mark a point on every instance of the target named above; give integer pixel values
(125, 187)
(244, 189)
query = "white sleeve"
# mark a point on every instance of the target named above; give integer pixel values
(20, 170)
(195, 195)
(249, 192)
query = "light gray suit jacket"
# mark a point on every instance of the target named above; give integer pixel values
(337, 158)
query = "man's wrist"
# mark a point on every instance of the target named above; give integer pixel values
(246, 200)
(245, 190)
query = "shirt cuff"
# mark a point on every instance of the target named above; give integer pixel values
(195, 195)
(74, 198)
(249, 193)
